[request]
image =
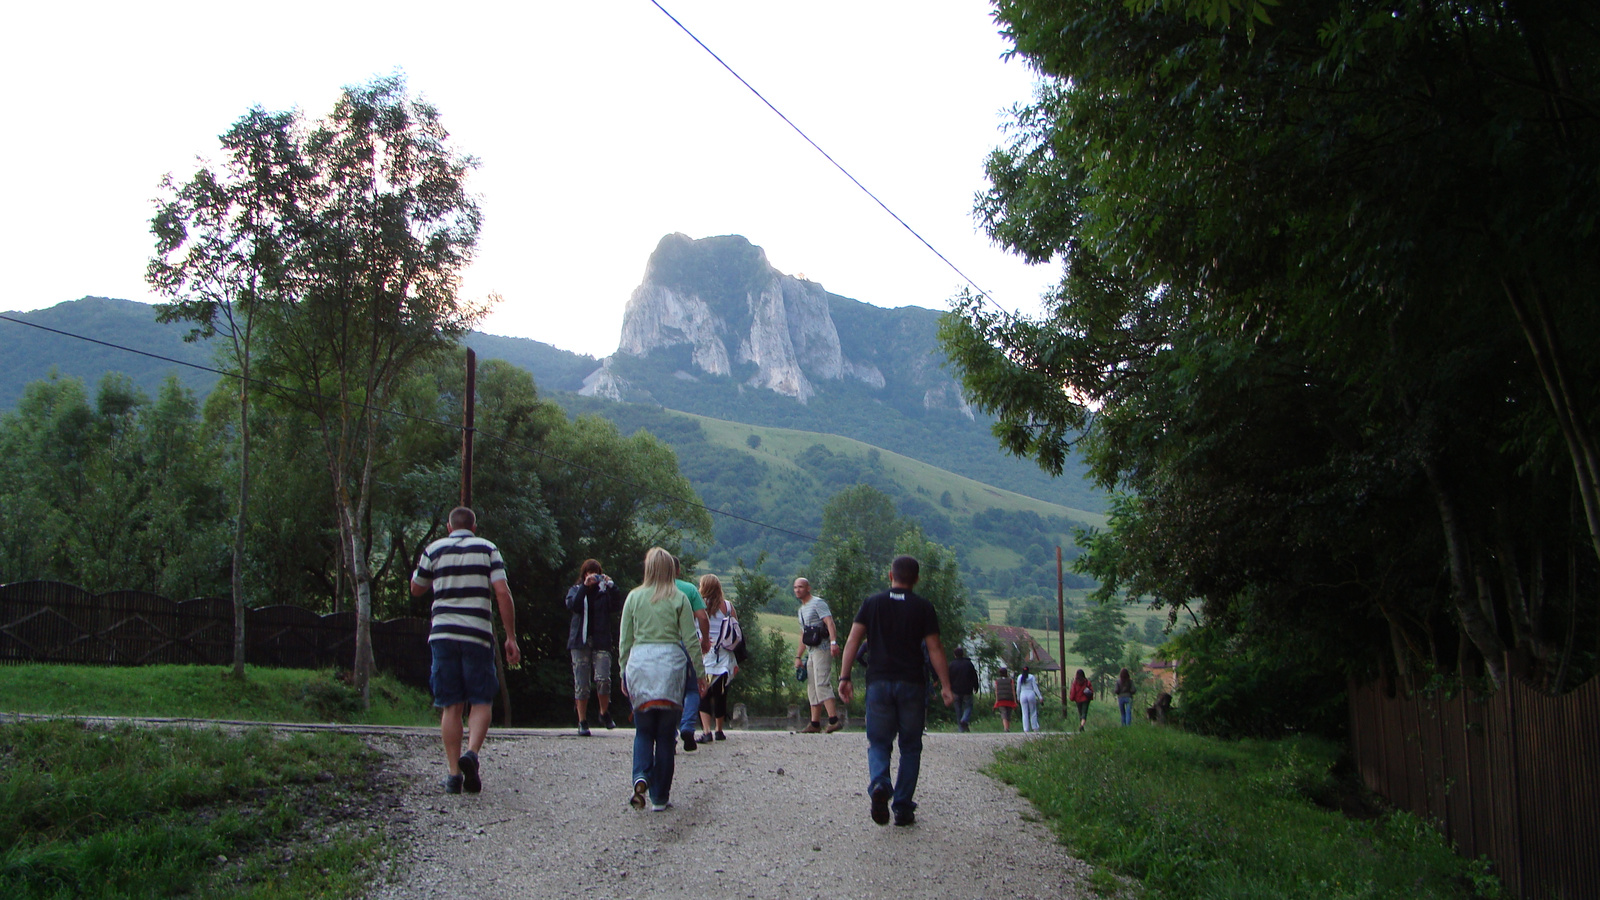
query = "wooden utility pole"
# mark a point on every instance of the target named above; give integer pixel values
(469, 405)
(1061, 629)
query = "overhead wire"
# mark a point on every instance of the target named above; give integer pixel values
(983, 295)
(423, 420)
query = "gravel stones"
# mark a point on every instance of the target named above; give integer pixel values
(761, 815)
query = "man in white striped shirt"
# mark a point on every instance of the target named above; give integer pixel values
(466, 576)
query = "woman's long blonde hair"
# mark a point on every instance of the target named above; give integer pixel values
(660, 574)
(711, 592)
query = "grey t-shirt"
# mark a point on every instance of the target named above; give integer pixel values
(813, 611)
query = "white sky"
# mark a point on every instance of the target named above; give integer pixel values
(600, 127)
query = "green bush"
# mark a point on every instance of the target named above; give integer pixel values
(1236, 688)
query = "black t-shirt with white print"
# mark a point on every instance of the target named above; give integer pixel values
(897, 620)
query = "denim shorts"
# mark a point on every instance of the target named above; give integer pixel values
(463, 672)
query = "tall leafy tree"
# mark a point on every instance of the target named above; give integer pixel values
(1100, 641)
(222, 241)
(861, 536)
(383, 228)
(1324, 315)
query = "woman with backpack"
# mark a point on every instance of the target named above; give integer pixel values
(719, 660)
(1005, 697)
(1082, 694)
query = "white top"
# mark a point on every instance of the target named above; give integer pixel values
(719, 661)
(1028, 687)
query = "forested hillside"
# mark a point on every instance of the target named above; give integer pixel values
(1005, 541)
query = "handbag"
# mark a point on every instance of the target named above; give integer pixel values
(814, 635)
(800, 672)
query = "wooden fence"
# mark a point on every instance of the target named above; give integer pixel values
(1514, 776)
(46, 621)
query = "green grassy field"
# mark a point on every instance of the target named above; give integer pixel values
(209, 692)
(125, 811)
(780, 446)
(1194, 817)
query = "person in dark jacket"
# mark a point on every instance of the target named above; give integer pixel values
(964, 683)
(593, 602)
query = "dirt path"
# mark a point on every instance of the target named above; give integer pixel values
(761, 815)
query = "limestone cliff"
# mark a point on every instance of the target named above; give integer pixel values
(717, 307)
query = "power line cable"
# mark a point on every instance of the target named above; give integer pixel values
(420, 419)
(982, 294)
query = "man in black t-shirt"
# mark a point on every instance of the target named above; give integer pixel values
(896, 624)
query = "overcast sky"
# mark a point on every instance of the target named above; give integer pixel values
(600, 127)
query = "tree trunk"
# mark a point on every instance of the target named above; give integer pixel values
(1533, 316)
(1465, 584)
(240, 521)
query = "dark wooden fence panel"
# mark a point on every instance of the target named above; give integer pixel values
(1514, 775)
(45, 621)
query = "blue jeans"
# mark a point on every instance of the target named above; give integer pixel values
(895, 708)
(691, 701)
(963, 709)
(655, 740)
(1125, 706)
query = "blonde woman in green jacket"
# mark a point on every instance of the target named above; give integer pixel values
(658, 627)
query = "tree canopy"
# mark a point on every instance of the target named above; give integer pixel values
(1326, 318)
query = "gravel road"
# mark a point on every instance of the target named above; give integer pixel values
(760, 815)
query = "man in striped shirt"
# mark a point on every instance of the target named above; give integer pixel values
(466, 575)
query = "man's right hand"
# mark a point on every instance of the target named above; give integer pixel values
(513, 652)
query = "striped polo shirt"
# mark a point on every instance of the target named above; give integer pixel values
(461, 569)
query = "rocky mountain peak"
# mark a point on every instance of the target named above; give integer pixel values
(715, 310)
(739, 317)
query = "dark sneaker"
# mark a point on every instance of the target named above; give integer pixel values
(833, 726)
(637, 801)
(880, 805)
(605, 719)
(470, 782)
(813, 728)
(906, 817)
(720, 736)
(583, 729)
(688, 741)
(703, 738)
(451, 784)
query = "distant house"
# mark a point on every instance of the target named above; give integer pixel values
(1016, 643)
(1165, 671)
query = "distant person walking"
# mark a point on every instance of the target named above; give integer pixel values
(594, 602)
(691, 691)
(1029, 697)
(897, 624)
(963, 683)
(1082, 693)
(1125, 692)
(720, 665)
(658, 628)
(467, 577)
(1005, 697)
(819, 644)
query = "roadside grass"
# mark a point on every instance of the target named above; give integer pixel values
(159, 812)
(1187, 816)
(209, 692)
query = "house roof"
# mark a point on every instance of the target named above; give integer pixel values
(1032, 651)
